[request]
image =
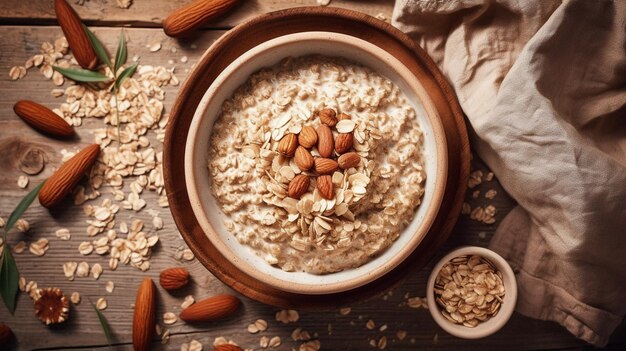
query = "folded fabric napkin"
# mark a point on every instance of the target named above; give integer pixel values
(543, 84)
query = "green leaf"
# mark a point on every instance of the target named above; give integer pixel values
(9, 277)
(82, 75)
(103, 323)
(128, 72)
(97, 46)
(21, 207)
(120, 55)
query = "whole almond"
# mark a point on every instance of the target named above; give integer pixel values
(67, 176)
(303, 159)
(325, 187)
(298, 186)
(210, 309)
(343, 142)
(227, 347)
(144, 316)
(307, 137)
(6, 334)
(325, 165)
(325, 142)
(343, 116)
(349, 160)
(43, 119)
(75, 34)
(186, 19)
(174, 278)
(288, 144)
(328, 117)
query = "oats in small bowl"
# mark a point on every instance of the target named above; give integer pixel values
(471, 292)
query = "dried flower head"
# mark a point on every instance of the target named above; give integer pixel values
(52, 306)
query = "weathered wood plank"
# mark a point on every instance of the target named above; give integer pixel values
(82, 329)
(151, 13)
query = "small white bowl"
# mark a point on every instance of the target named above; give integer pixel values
(491, 325)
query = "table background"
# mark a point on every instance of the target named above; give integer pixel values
(24, 25)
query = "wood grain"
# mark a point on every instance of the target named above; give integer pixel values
(148, 13)
(82, 331)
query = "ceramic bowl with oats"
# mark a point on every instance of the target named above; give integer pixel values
(471, 292)
(316, 162)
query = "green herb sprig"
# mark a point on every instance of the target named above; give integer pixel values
(9, 275)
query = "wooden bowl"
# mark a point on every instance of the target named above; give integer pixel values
(269, 53)
(185, 207)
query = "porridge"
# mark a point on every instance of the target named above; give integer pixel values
(317, 164)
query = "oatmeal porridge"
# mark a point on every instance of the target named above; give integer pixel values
(317, 164)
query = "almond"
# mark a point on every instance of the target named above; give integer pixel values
(67, 176)
(174, 278)
(288, 144)
(210, 309)
(6, 334)
(343, 116)
(227, 347)
(328, 117)
(349, 160)
(75, 34)
(343, 142)
(144, 316)
(303, 159)
(325, 165)
(186, 19)
(325, 187)
(43, 119)
(307, 137)
(325, 142)
(298, 186)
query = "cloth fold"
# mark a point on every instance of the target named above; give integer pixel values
(543, 84)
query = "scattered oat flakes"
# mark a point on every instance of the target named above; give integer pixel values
(21, 283)
(264, 342)
(101, 304)
(17, 72)
(169, 318)
(489, 177)
(124, 4)
(155, 47)
(383, 328)
(257, 326)
(381, 16)
(415, 302)
(370, 324)
(188, 255)
(82, 270)
(466, 209)
(382, 342)
(274, 342)
(69, 269)
(39, 247)
(75, 298)
(19, 247)
(345, 311)
(184, 59)
(96, 270)
(475, 194)
(22, 225)
(189, 300)
(22, 181)
(475, 179)
(287, 316)
(63, 234)
(323, 2)
(491, 194)
(57, 92)
(313, 345)
(401, 334)
(85, 248)
(109, 287)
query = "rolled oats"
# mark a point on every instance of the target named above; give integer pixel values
(372, 202)
(22, 181)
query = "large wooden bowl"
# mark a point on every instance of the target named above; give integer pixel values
(266, 27)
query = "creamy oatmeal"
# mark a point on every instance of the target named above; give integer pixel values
(317, 164)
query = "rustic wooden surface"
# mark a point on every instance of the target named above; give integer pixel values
(21, 34)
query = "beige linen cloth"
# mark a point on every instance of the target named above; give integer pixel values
(543, 84)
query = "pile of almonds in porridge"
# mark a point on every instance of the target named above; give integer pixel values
(317, 164)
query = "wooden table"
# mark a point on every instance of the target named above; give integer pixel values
(24, 25)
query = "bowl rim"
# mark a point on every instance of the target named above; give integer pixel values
(293, 20)
(506, 309)
(440, 174)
